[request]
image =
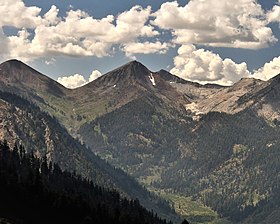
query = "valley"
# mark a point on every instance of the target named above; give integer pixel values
(213, 151)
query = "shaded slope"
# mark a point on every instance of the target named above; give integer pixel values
(33, 191)
(22, 80)
(16, 76)
(20, 120)
(140, 137)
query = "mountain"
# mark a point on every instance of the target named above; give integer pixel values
(84, 104)
(19, 77)
(215, 144)
(120, 87)
(21, 122)
(195, 152)
(231, 99)
(22, 80)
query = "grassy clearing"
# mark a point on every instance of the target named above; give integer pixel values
(194, 211)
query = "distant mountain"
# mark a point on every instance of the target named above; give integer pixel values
(215, 144)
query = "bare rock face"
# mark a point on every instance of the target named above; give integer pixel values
(207, 98)
(229, 99)
(261, 96)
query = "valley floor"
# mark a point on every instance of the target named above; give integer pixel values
(192, 210)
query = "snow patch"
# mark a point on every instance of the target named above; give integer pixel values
(269, 145)
(152, 79)
(114, 86)
(192, 108)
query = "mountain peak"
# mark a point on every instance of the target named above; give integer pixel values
(16, 67)
(16, 75)
(14, 63)
(133, 65)
(132, 68)
(129, 72)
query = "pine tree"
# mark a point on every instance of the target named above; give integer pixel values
(185, 222)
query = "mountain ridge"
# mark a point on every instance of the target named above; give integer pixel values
(178, 136)
(132, 66)
(16, 71)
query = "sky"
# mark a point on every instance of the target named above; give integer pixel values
(206, 41)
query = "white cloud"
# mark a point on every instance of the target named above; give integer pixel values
(204, 66)
(145, 48)
(72, 81)
(269, 70)
(50, 61)
(3, 44)
(52, 16)
(94, 75)
(77, 80)
(76, 34)
(19, 46)
(274, 14)
(238, 24)
(15, 13)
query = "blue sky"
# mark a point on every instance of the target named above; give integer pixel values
(204, 41)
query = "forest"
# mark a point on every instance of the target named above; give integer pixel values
(229, 162)
(25, 123)
(35, 191)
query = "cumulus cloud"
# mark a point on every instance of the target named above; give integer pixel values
(72, 81)
(3, 44)
(77, 80)
(76, 34)
(94, 75)
(204, 66)
(51, 17)
(15, 13)
(145, 48)
(269, 70)
(241, 24)
(237, 24)
(274, 14)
